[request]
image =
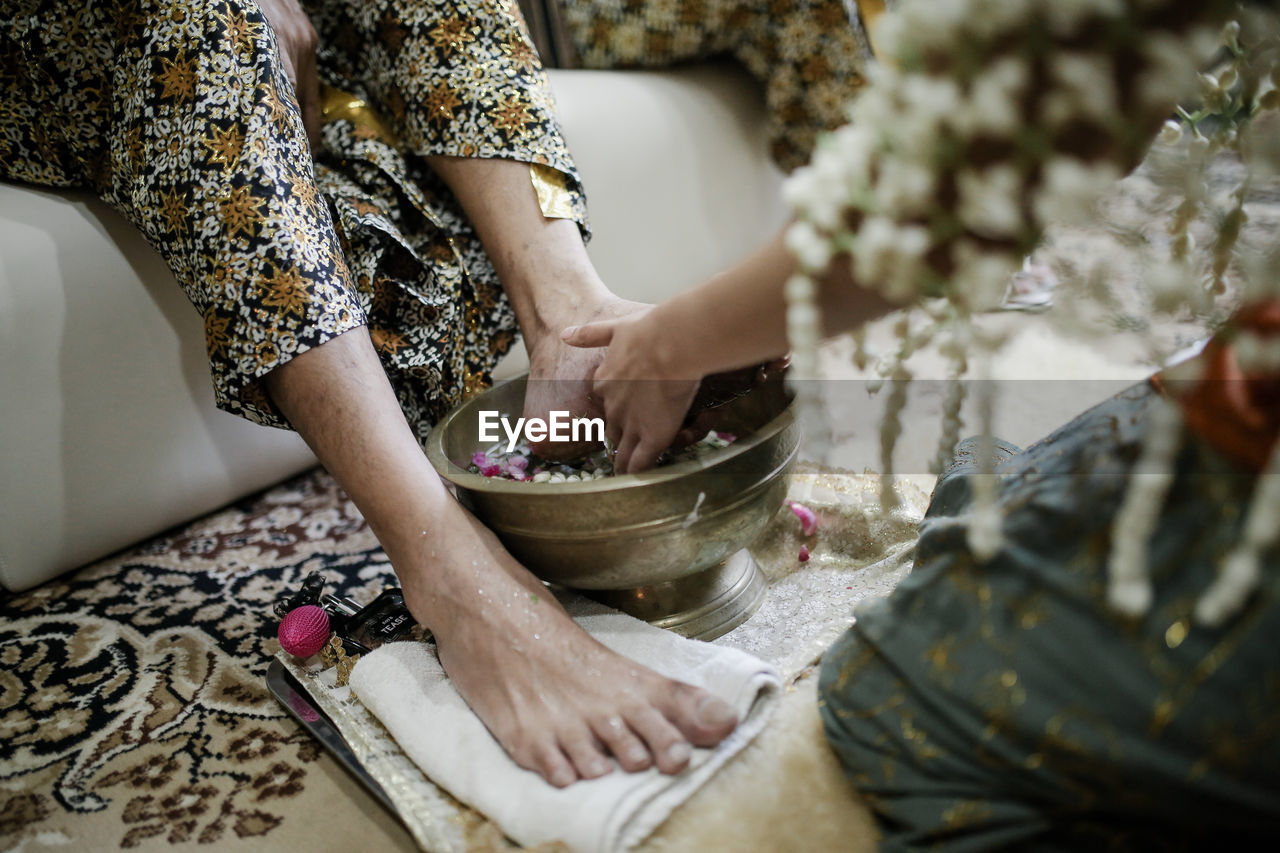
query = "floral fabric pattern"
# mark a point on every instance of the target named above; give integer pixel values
(810, 55)
(180, 115)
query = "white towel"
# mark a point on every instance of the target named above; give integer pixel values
(405, 687)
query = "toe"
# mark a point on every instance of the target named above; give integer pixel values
(622, 743)
(671, 752)
(701, 717)
(551, 762)
(584, 752)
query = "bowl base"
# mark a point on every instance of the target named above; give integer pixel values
(702, 606)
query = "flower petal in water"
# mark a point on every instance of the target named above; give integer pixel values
(808, 518)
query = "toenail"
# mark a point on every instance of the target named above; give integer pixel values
(714, 712)
(679, 753)
(637, 754)
(563, 777)
(599, 767)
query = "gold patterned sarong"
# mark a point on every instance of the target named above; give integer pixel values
(180, 116)
(1005, 706)
(809, 55)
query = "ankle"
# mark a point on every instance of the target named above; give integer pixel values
(560, 307)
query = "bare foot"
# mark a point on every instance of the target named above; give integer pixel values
(560, 375)
(559, 702)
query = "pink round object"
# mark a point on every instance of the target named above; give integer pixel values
(304, 631)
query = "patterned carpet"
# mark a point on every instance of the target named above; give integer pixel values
(134, 714)
(132, 707)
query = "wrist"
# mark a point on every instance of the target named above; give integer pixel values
(668, 344)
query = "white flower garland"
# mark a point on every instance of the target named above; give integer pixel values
(1241, 570)
(893, 194)
(1128, 582)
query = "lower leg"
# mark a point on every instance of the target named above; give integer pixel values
(557, 700)
(545, 271)
(541, 262)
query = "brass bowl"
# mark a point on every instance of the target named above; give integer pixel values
(645, 537)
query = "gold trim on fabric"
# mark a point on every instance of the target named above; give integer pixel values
(552, 188)
(336, 105)
(870, 12)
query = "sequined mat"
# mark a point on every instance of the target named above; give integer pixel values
(857, 553)
(133, 708)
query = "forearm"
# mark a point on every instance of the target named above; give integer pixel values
(738, 317)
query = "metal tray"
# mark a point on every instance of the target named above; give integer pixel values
(295, 699)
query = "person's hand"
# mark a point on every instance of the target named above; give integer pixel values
(645, 397)
(297, 39)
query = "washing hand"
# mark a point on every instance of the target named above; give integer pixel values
(643, 387)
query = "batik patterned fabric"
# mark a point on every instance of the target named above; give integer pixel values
(179, 114)
(1003, 704)
(810, 55)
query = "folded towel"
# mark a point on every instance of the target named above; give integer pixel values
(403, 685)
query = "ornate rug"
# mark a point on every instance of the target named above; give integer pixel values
(134, 713)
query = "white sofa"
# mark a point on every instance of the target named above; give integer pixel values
(108, 433)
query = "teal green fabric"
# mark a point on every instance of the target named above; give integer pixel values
(1002, 705)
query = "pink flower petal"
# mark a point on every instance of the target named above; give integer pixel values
(479, 459)
(491, 470)
(808, 518)
(804, 554)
